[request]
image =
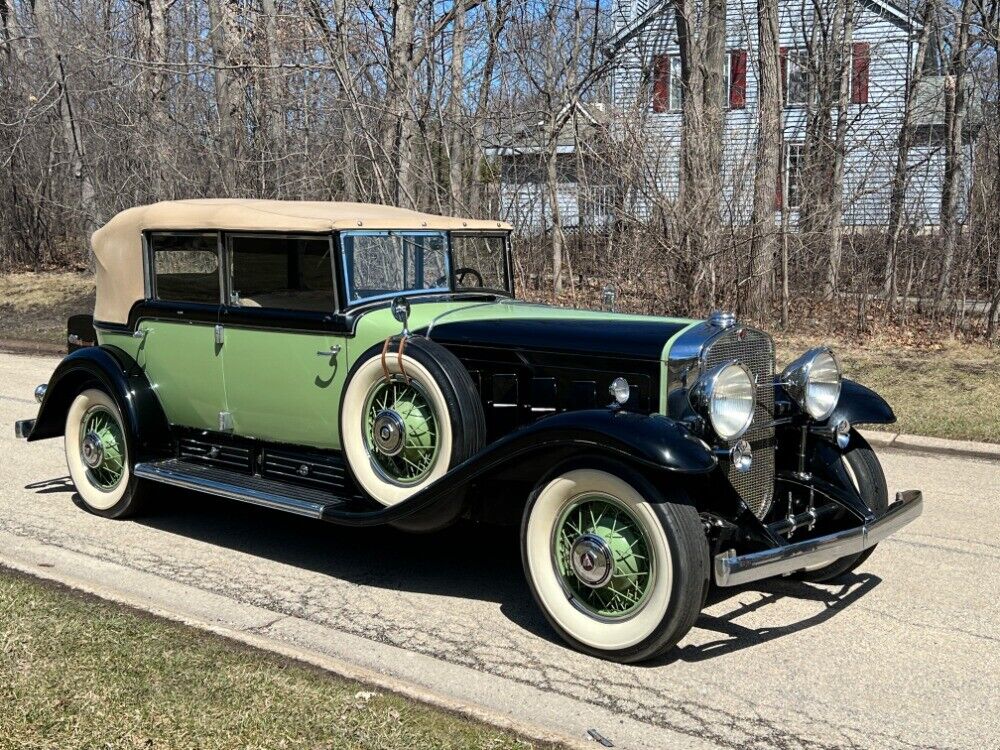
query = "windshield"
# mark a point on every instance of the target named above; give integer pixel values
(385, 264)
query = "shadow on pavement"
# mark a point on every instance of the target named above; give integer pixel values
(466, 560)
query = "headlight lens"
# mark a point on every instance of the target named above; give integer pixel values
(726, 396)
(813, 380)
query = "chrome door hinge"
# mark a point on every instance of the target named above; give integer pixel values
(225, 421)
(220, 335)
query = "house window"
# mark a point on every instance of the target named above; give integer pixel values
(668, 89)
(794, 154)
(795, 75)
(668, 84)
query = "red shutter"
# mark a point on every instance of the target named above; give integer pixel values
(738, 79)
(779, 186)
(661, 83)
(859, 73)
(783, 83)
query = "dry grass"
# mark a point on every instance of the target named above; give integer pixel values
(77, 672)
(34, 307)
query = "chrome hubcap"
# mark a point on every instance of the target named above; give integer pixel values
(92, 450)
(592, 561)
(389, 433)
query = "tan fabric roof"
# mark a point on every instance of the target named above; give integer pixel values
(118, 244)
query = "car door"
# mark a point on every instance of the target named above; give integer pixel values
(284, 346)
(176, 326)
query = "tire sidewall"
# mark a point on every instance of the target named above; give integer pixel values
(456, 443)
(662, 616)
(118, 501)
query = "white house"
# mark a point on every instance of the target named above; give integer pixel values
(645, 77)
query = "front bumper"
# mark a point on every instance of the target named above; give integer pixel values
(732, 569)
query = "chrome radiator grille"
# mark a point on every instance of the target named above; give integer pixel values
(756, 351)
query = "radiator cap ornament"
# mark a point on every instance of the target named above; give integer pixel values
(721, 319)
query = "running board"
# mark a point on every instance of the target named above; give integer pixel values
(233, 485)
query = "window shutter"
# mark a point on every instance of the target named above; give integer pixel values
(779, 186)
(783, 83)
(738, 79)
(661, 83)
(859, 73)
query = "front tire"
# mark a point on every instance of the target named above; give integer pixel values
(99, 456)
(864, 471)
(617, 569)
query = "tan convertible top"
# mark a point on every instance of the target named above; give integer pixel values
(118, 244)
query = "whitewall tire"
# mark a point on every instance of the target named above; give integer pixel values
(618, 571)
(98, 456)
(402, 433)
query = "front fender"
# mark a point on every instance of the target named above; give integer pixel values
(860, 405)
(653, 441)
(117, 373)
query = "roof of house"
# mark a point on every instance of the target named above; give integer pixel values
(118, 244)
(525, 133)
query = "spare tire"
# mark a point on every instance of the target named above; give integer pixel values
(402, 433)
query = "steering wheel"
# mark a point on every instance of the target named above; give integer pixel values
(461, 273)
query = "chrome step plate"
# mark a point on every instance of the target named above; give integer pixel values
(255, 490)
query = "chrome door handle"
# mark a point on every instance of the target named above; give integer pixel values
(330, 354)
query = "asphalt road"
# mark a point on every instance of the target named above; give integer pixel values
(903, 654)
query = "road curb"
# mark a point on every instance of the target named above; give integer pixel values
(942, 446)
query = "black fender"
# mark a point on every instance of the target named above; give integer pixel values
(117, 373)
(860, 405)
(653, 442)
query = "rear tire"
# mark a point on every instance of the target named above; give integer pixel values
(99, 456)
(867, 477)
(648, 564)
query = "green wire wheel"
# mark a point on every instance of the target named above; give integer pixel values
(603, 558)
(401, 430)
(102, 447)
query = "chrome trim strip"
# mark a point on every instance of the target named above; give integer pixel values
(732, 569)
(23, 428)
(165, 475)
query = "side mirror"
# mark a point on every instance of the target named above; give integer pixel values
(401, 312)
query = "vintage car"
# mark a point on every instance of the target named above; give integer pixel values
(366, 365)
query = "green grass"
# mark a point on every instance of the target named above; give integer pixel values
(78, 672)
(948, 390)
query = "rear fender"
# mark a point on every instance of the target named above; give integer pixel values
(113, 370)
(651, 442)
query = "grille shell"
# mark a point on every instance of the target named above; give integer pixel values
(755, 350)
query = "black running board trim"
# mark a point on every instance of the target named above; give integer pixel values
(236, 486)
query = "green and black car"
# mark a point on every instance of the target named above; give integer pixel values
(368, 365)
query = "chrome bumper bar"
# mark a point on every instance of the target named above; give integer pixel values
(732, 569)
(23, 428)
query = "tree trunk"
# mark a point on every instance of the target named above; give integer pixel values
(273, 95)
(48, 32)
(769, 149)
(224, 19)
(155, 84)
(904, 143)
(954, 156)
(456, 156)
(400, 129)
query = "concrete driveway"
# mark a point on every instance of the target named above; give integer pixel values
(903, 654)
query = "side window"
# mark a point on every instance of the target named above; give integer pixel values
(291, 273)
(387, 263)
(185, 267)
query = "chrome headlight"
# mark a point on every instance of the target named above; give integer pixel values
(726, 397)
(813, 381)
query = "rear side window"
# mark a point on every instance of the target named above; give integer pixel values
(290, 273)
(185, 267)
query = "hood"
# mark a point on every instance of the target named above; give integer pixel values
(541, 328)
